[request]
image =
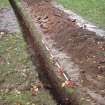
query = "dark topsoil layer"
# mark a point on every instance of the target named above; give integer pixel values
(85, 47)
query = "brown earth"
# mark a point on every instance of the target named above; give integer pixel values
(85, 47)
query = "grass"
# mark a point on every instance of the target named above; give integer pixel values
(13, 98)
(12, 49)
(25, 98)
(17, 70)
(13, 61)
(4, 4)
(92, 10)
(14, 58)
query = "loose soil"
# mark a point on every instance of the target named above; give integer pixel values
(85, 48)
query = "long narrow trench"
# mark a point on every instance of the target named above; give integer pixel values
(78, 41)
(84, 47)
(43, 69)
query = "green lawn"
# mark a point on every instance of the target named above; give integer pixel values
(4, 4)
(14, 59)
(92, 10)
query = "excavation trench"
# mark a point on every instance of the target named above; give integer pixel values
(85, 47)
(41, 57)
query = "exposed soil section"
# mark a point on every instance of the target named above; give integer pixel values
(85, 48)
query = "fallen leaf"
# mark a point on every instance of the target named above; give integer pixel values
(18, 103)
(99, 77)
